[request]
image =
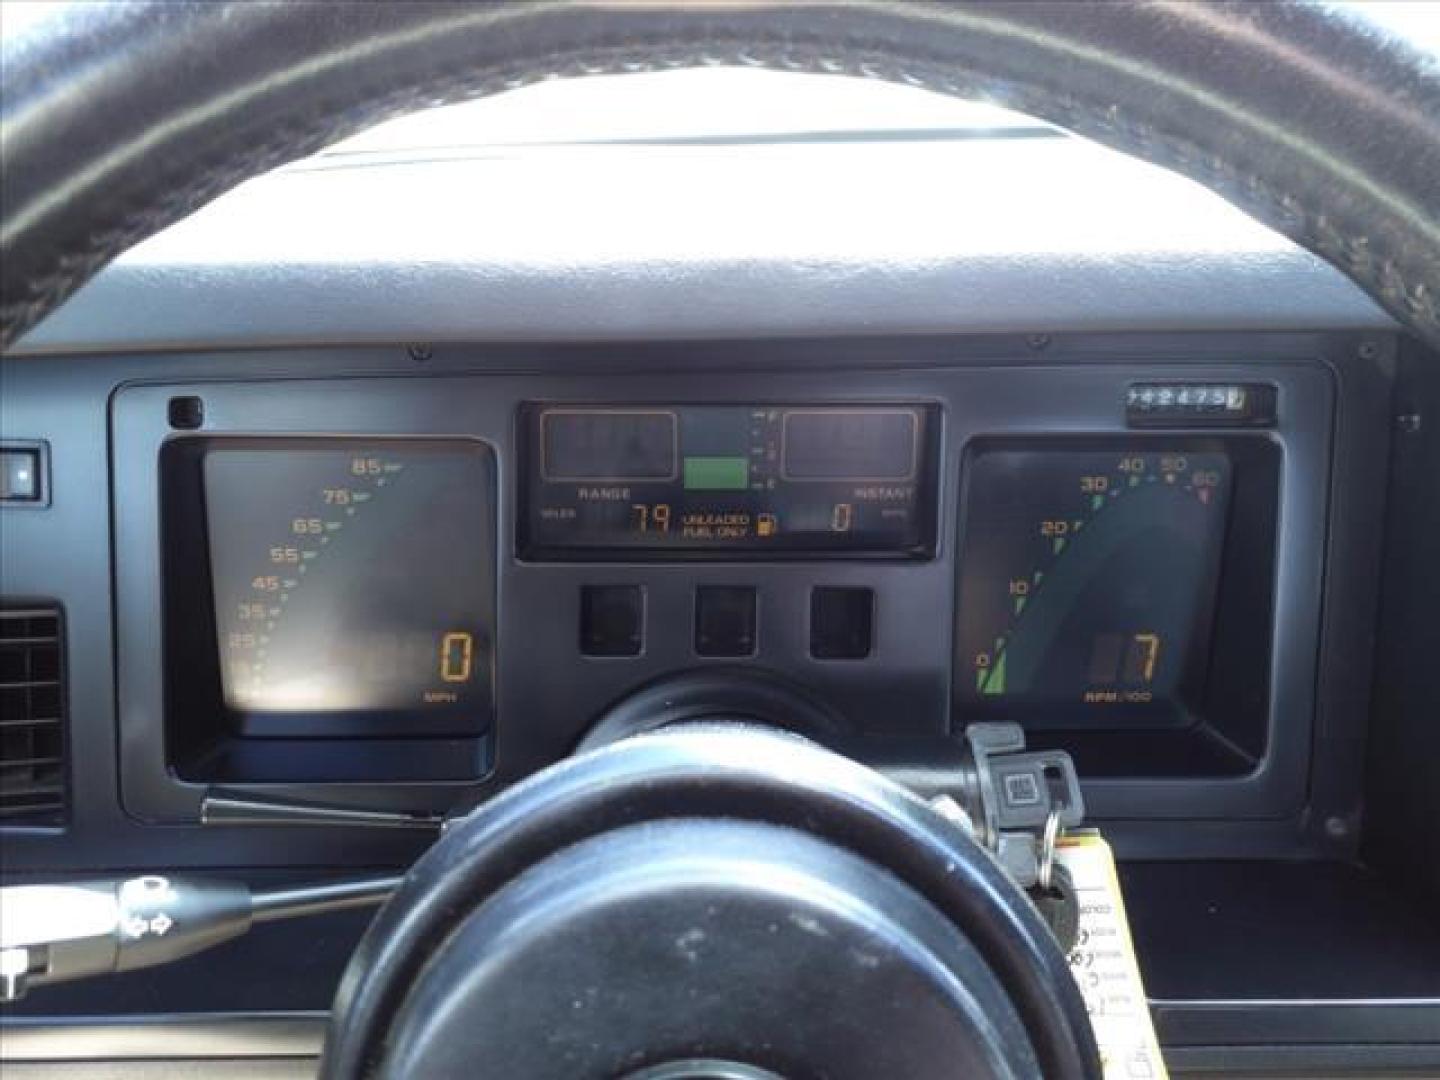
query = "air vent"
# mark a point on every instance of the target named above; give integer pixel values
(32, 729)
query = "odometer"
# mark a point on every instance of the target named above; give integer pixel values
(1088, 583)
(353, 583)
(742, 479)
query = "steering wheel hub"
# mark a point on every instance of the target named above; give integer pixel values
(708, 894)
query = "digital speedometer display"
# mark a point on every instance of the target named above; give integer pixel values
(1088, 583)
(749, 480)
(352, 579)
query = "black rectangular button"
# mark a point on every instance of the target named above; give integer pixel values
(19, 475)
(612, 620)
(840, 623)
(725, 620)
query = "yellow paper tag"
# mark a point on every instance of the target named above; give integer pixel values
(1104, 964)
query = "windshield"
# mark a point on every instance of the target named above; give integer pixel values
(707, 105)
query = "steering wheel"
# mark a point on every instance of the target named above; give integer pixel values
(120, 119)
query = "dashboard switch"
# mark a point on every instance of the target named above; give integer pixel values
(841, 623)
(725, 620)
(20, 475)
(612, 620)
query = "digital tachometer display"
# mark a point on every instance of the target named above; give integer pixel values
(353, 579)
(748, 480)
(1088, 583)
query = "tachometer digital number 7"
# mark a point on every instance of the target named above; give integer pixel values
(1117, 659)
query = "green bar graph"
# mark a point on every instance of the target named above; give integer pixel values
(717, 473)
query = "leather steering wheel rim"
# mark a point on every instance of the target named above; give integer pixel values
(1318, 123)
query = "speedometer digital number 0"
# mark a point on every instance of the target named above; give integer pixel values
(1088, 584)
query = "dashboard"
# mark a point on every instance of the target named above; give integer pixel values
(405, 591)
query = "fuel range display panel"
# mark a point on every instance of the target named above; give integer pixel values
(1088, 584)
(353, 584)
(744, 480)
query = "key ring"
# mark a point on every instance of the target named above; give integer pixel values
(1045, 871)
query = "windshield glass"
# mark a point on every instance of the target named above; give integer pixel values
(708, 105)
